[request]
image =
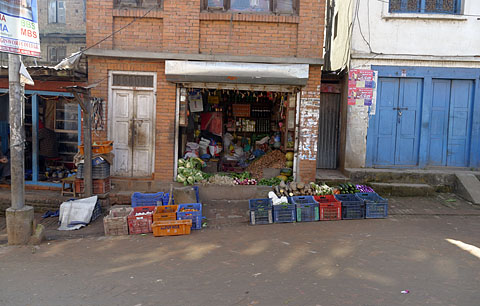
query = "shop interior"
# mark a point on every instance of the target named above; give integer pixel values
(56, 119)
(229, 129)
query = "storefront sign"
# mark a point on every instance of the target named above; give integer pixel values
(19, 27)
(362, 87)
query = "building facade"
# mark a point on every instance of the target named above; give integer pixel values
(427, 103)
(145, 55)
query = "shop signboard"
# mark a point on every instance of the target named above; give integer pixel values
(19, 27)
(362, 87)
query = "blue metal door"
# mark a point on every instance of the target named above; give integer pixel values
(437, 155)
(459, 123)
(398, 121)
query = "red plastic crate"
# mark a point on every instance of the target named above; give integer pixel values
(99, 186)
(140, 224)
(330, 208)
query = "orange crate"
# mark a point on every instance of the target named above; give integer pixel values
(100, 147)
(172, 227)
(165, 213)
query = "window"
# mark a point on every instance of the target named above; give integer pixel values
(56, 54)
(138, 3)
(426, 6)
(253, 6)
(132, 80)
(335, 25)
(56, 11)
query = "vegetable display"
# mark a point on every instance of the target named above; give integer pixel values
(190, 171)
(364, 188)
(347, 188)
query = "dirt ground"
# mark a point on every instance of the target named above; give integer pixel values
(428, 246)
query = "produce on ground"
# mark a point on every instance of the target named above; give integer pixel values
(245, 181)
(273, 159)
(219, 179)
(291, 189)
(364, 188)
(270, 182)
(347, 188)
(190, 171)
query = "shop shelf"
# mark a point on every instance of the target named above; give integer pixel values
(376, 207)
(140, 224)
(352, 206)
(147, 199)
(330, 208)
(191, 211)
(307, 212)
(165, 213)
(171, 227)
(284, 213)
(115, 223)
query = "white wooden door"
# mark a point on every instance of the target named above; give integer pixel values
(132, 132)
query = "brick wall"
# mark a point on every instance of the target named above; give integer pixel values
(100, 23)
(181, 26)
(248, 38)
(165, 106)
(146, 31)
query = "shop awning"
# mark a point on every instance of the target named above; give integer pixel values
(236, 73)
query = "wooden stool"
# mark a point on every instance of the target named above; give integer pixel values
(68, 186)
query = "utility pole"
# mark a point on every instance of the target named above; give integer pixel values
(19, 216)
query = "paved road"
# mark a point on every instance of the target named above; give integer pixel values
(360, 262)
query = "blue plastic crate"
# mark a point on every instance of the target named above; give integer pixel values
(352, 206)
(284, 213)
(195, 216)
(302, 200)
(147, 199)
(375, 206)
(97, 211)
(166, 197)
(307, 212)
(254, 204)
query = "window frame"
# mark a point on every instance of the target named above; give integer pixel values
(134, 4)
(421, 4)
(60, 14)
(56, 49)
(272, 11)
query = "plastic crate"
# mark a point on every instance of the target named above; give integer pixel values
(330, 208)
(102, 186)
(352, 206)
(166, 197)
(260, 211)
(284, 213)
(140, 224)
(301, 200)
(100, 171)
(115, 223)
(100, 147)
(195, 216)
(259, 203)
(97, 211)
(147, 199)
(307, 212)
(376, 207)
(171, 227)
(165, 213)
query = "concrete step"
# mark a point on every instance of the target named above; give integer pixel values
(409, 176)
(468, 187)
(403, 189)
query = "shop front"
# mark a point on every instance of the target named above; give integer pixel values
(231, 115)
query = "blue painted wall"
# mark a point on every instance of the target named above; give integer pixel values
(448, 117)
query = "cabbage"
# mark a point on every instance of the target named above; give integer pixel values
(190, 180)
(180, 178)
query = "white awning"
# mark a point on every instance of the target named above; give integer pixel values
(236, 73)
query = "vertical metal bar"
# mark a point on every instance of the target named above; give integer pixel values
(17, 133)
(79, 126)
(34, 138)
(87, 145)
(176, 134)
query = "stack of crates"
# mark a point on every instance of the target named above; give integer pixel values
(307, 208)
(330, 208)
(375, 206)
(147, 199)
(140, 224)
(191, 211)
(165, 213)
(260, 211)
(352, 206)
(284, 213)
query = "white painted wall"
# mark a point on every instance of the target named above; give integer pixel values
(432, 40)
(416, 34)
